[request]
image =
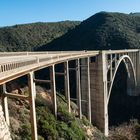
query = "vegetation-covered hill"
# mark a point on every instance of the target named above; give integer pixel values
(27, 36)
(67, 126)
(101, 31)
(135, 14)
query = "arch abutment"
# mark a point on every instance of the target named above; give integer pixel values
(32, 93)
(98, 73)
(67, 84)
(78, 88)
(53, 89)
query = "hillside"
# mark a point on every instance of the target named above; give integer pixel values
(28, 36)
(135, 14)
(101, 31)
(67, 125)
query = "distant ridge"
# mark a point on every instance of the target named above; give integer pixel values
(26, 37)
(101, 31)
(135, 14)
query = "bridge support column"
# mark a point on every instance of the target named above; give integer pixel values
(67, 84)
(5, 104)
(32, 94)
(132, 89)
(78, 86)
(99, 110)
(138, 72)
(85, 88)
(53, 89)
(89, 90)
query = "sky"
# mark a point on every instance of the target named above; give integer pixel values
(28, 11)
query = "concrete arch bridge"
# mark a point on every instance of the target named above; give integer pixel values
(95, 74)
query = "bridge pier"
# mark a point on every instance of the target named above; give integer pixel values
(67, 84)
(138, 73)
(32, 93)
(85, 88)
(5, 104)
(53, 89)
(132, 89)
(78, 88)
(99, 108)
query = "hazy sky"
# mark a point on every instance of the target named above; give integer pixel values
(28, 11)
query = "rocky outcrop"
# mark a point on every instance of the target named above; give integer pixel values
(4, 130)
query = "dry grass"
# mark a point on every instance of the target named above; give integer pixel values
(125, 131)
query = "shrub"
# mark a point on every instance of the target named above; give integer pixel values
(25, 131)
(46, 123)
(137, 131)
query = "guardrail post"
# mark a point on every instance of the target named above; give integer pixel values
(32, 105)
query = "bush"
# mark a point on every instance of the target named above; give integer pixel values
(25, 131)
(137, 131)
(46, 123)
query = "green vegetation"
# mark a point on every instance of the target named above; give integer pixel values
(65, 126)
(135, 14)
(101, 31)
(26, 37)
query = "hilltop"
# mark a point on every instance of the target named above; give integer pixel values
(28, 36)
(101, 31)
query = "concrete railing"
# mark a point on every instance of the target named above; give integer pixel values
(16, 62)
(19, 61)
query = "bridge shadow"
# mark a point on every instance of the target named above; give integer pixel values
(122, 107)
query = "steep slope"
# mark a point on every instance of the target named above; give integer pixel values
(27, 36)
(101, 31)
(67, 126)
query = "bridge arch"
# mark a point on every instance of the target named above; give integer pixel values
(130, 70)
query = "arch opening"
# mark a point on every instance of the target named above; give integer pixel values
(121, 106)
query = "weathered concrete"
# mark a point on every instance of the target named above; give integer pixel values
(32, 93)
(99, 115)
(78, 88)
(85, 88)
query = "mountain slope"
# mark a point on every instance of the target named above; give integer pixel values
(101, 31)
(28, 36)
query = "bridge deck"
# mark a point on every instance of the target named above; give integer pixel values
(13, 65)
